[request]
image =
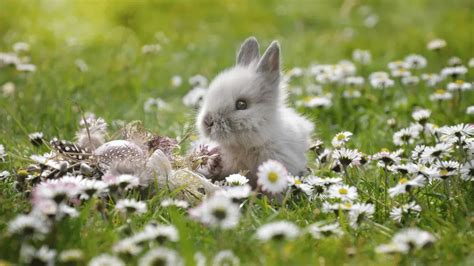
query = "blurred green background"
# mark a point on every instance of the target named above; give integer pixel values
(201, 37)
(197, 37)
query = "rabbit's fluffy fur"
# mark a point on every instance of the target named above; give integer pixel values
(266, 128)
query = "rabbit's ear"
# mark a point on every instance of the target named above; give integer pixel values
(249, 52)
(270, 62)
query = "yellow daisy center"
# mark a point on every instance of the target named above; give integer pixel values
(343, 191)
(459, 82)
(403, 180)
(384, 150)
(272, 177)
(440, 91)
(443, 172)
(307, 99)
(297, 182)
(340, 137)
(22, 172)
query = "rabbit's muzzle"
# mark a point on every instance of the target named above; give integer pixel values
(216, 127)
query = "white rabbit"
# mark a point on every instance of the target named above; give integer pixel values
(245, 113)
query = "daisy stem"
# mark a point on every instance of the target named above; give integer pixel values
(285, 199)
(386, 190)
(253, 197)
(348, 178)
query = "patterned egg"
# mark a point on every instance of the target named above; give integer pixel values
(119, 151)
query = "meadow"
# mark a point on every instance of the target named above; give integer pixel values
(387, 84)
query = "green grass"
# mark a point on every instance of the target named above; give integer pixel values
(203, 37)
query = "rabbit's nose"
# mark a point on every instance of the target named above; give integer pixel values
(208, 121)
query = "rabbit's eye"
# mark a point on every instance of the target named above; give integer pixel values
(240, 105)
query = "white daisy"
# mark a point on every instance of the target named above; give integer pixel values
(157, 232)
(397, 65)
(397, 213)
(176, 81)
(351, 94)
(404, 169)
(53, 210)
(457, 131)
(194, 97)
(400, 73)
(343, 192)
(360, 212)
(3, 153)
(25, 67)
(20, 47)
(414, 238)
(415, 61)
(437, 152)
(28, 225)
(130, 206)
(127, 246)
(36, 138)
(161, 256)
(470, 110)
(381, 82)
(410, 80)
(446, 169)
(441, 95)
(154, 104)
(9, 88)
(453, 72)
(57, 190)
(354, 81)
(431, 79)
(294, 73)
(236, 180)
(318, 101)
(454, 61)
(317, 185)
(91, 187)
(341, 138)
(81, 65)
(467, 171)
(281, 230)
(217, 211)
(236, 193)
(436, 44)
(200, 259)
(106, 260)
(392, 248)
(336, 207)
(272, 176)
(386, 158)
(71, 256)
(347, 157)
(428, 172)
(421, 115)
(198, 80)
(322, 229)
(225, 257)
(174, 202)
(297, 183)
(361, 56)
(123, 181)
(41, 256)
(405, 136)
(4, 174)
(404, 185)
(459, 85)
(151, 48)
